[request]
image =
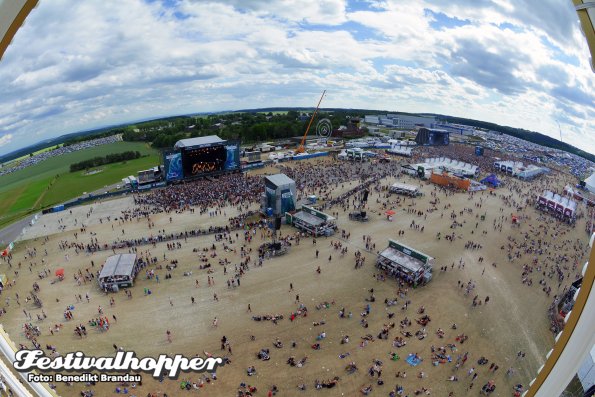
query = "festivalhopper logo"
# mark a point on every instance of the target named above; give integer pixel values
(163, 365)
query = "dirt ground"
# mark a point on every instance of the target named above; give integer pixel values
(514, 319)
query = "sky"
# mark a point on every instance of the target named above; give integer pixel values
(79, 65)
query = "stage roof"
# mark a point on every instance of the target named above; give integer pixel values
(201, 140)
(118, 265)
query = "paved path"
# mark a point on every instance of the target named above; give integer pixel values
(12, 231)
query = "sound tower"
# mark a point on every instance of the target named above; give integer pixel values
(365, 195)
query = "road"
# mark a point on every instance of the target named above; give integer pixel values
(12, 231)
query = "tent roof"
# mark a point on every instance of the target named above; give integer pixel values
(590, 183)
(309, 218)
(411, 264)
(405, 186)
(118, 265)
(279, 179)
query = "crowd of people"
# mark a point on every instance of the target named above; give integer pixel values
(38, 158)
(541, 249)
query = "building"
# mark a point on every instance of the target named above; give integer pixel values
(409, 122)
(458, 129)
(118, 271)
(400, 261)
(279, 195)
(312, 221)
(371, 120)
(400, 121)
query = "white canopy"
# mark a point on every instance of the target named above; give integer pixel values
(590, 183)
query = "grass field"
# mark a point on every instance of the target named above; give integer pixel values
(51, 182)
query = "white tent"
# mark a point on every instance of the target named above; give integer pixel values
(590, 183)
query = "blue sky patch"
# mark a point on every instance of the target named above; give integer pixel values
(360, 5)
(559, 54)
(358, 31)
(443, 21)
(507, 25)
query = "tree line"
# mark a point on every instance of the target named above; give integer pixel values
(109, 159)
(249, 126)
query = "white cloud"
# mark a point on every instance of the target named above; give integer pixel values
(5, 139)
(80, 65)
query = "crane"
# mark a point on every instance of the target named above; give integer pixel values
(300, 148)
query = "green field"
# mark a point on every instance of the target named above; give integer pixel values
(51, 182)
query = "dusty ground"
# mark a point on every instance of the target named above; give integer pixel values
(515, 318)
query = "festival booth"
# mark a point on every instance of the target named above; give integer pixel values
(312, 221)
(578, 195)
(491, 180)
(451, 181)
(405, 189)
(476, 186)
(399, 148)
(404, 262)
(118, 271)
(519, 170)
(441, 165)
(355, 154)
(563, 208)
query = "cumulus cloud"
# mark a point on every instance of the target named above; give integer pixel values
(81, 65)
(5, 139)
